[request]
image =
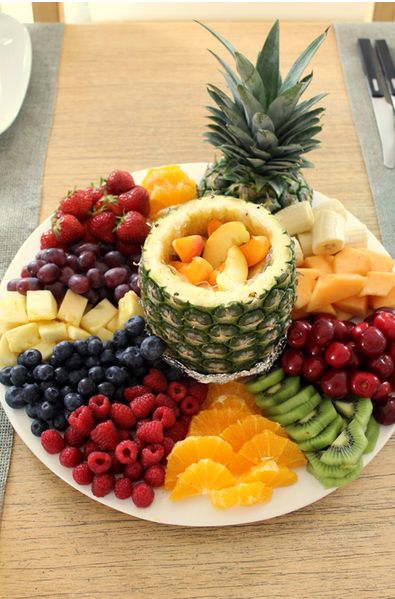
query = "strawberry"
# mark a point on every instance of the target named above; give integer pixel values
(132, 228)
(109, 202)
(48, 240)
(101, 226)
(127, 249)
(77, 203)
(136, 199)
(67, 228)
(119, 181)
(94, 193)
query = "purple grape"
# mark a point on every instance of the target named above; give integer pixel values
(48, 273)
(79, 284)
(115, 276)
(57, 289)
(72, 261)
(101, 266)
(114, 258)
(86, 260)
(134, 260)
(34, 266)
(102, 293)
(95, 277)
(120, 291)
(40, 255)
(65, 274)
(12, 284)
(56, 256)
(87, 247)
(134, 283)
(92, 296)
(28, 284)
(25, 273)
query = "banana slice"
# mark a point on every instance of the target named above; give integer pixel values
(306, 243)
(296, 218)
(331, 204)
(356, 233)
(298, 252)
(329, 233)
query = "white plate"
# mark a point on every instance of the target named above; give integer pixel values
(15, 68)
(190, 512)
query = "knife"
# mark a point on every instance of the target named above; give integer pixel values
(382, 109)
(387, 67)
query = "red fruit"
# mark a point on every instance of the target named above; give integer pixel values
(109, 203)
(337, 354)
(292, 362)
(190, 405)
(116, 466)
(99, 461)
(102, 484)
(89, 447)
(132, 228)
(77, 203)
(391, 351)
(152, 454)
(322, 331)
(142, 495)
(94, 194)
(342, 331)
(67, 228)
(164, 400)
(298, 334)
(48, 240)
(82, 474)
(313, 368)
(133, 471)
(355, 358)
(383, 366)
(165, 415)
(127, 249)
(131, 393)
(155, 380)
(52, 441)
(143, 405)
(82, 419)
(176, 390)
(198, 390)
(119, 181)
(384, 412)
(122, 416)
(126, 452)
(73, 437)
(155, 475)
(364, 384)
(371, 342)
(150, 432)
(70, 457)
(313, 349)
(102, 226)
(358, 329)
(123, 434)
(136, 199)
(385, 321)
(383, 391)
(168, 445)
(123, 488)
(178, 431)
(100, 406)
(334, 383)
(105, 435)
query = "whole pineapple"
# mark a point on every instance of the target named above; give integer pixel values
(263, 130)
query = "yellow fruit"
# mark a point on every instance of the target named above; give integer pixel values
(52, 331)
(75, 333)
(22, 337)
(98, 317)
(235, 272)
(219, 242)
(41, 305)
(128, 306)
(72, 308)
(13, 308)
(7, 357)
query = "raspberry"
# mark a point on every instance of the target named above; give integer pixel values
(177, 432)
(122, 415)
(143, 406)
(176, 390)
(151, 432)
(103, 484)
(82, 474)
(155, 475)
(100, 406)
(164, 400)
(152, 454)
(142, 494)
(89, 447)
(99, 461)
(131, 393)
(133, 471)
(105, 435)
(198, 390)
(73, 437)
(52, 441)
(70, 457)
(165, 415)
(186, 420)
(168, 445)
(126, 452)
(116, 466)
(190, 405)
(82, 419)
(155, 380)
(123, 488)
(140, 444)
(123, 435)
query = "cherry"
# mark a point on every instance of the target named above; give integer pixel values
(372, 316)
(292, 362)
(382, 366)
(313, 369)
(334, 383)
(337, 354)
(313, 349)
(358, 329)
(342, 331)
(384, 412)
(384, 390)
(371, 342)
(298, 333)
(385, 321)
(391, 350)
(364, 384)
(355, 358)
(322, 331)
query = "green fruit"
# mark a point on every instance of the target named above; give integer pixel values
(325, 437)
(314, 423)
(299, 412)
(359, 409)
(372, 433)
(332, 476)
(265, 381)
(347, 448)
(294, 402)
(278, 393)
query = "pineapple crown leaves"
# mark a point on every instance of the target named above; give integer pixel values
(264, 125)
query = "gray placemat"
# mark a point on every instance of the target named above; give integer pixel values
(22, 154)
(381, 179)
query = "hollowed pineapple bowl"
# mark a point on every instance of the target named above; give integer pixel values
(210, 331)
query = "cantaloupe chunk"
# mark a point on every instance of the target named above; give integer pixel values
(306, 279)
(333, 288)
(342, 315)
(188, 247)
(380, 262)
(352, 261)
(328, 309)
(378, 283)
(383, 302)
(358, 306)
(256, 249)
(321, 263)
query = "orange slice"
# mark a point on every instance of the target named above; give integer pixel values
(205, 475)
(231, 401)
(271, 474)
(291, 456)
(213, 422)
(241, 494)
(265, 445)
(241, 432)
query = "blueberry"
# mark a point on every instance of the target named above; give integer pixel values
(132, 357)
(95, 346)
(107, 344)
(18, 375)
(30, 358)
(81, 347)
(38, 427)
(159, 364)
(45, 410)
(72, 401)
(115, 375)
(74, 362)
(14, 397)
(107, 357)
(152, 348)
(75, 377)
(54, 361)
(43, 372)
(96, 373)
(44, 385)
(31, 410)
(120, 339)
(106, 389)
(63, 350)
(65, 390)
(139, 339)
(60, 421)
(31, 393)
(51, 394)
(86, 387)
(5, 376)
(92, 361)
(140, 373)
(174, 374)
(135, 326)
(118, 395)
(61, 375)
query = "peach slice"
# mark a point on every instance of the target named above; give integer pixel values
(197, 271)
(218, 244)
(188, 247)
(235, 272)
(213, 225)
(256, 249)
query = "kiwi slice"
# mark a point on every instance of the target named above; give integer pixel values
(299, 412)
(325, 470)
(347, 448)
(278, 393)
(332, 476)
(293, 402)
(360, 409)
(371, 433)
(265, 382)
(326, 437)
(311, 425)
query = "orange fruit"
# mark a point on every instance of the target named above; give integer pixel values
(213, 422)
(241, 494)
(193, 449)
(237, 434)
(271, 474)
(230, 401)
(292, 456)
(205, 475)
(232, 388)
(265, 445)
(238, 465)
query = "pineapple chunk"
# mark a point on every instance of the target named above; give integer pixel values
(104, 334)
(52, 331)
(7, 357)
(45, 348)
(6, 326)
(75, 333)
(72, 308)
(23, 337)
(41, 305)
(128, 306)
(99, 316)
(113, 324)
(13, 308)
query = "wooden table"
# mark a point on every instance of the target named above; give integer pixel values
(130, 96)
